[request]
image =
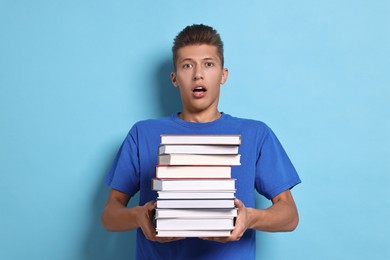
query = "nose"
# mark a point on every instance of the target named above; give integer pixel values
(197, 77)
(198, 74)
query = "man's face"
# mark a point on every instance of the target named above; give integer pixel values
(198, 76)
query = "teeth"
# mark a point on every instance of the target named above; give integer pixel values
(199, 89)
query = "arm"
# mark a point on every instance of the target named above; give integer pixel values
(117, 217)
(280, 217)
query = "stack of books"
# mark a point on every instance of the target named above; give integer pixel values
(195, 188)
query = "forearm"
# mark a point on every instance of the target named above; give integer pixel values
(120, 218)
(117, 217)
(280, 217)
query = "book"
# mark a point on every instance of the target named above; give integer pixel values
(196, 203)
(199, 171)
(195, 224)
(195, 187)
(196, 194)
(193, 233)
(199, 159)
(201, 139)
(197, 149)
(193, 184)
(195, 213)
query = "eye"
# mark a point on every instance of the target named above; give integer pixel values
(187, 66)
(209, 64)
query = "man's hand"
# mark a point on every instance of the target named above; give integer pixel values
(282, 216)
(241, 225)
(144, 220)
(117, 217)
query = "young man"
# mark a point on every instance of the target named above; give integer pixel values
(199, 73)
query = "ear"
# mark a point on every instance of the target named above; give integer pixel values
(174, 79)
(224, 77)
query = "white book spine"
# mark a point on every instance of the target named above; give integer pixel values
(190, 204)
(193, 233)
(195, 224)
(195, 213)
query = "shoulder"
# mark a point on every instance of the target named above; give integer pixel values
(151, 126)
(152, 122)
(247, 122)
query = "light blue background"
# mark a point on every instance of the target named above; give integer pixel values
(75, 76)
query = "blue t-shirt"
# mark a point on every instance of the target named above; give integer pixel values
(265, 167)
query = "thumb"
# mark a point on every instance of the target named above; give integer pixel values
(238, 203)
(151, 205)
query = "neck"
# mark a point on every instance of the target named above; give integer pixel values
(200, 117)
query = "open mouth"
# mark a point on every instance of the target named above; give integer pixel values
(199, 90)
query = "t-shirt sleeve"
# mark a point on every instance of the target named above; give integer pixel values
(274, 171)
(124, 172)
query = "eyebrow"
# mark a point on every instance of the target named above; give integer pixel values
(204, 59)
